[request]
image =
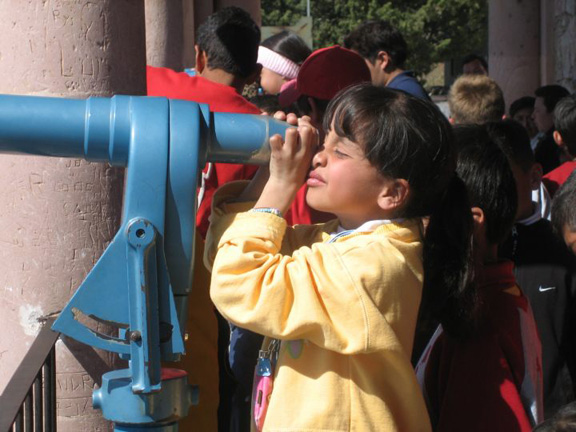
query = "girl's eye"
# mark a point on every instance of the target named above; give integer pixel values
(339, 154)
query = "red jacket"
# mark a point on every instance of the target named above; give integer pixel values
(493, 381)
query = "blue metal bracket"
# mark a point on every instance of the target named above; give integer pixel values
(140, 284)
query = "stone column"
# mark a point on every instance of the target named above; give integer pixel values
(250, 6)
(547, 43)
(514, 46)
(189, 14)
(164, 33)
(564, 36)
(58, 215)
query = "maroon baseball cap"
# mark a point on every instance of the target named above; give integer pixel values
(324, 73)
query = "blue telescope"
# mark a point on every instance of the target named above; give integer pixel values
(139, 286)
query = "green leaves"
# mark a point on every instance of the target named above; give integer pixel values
(436, 30)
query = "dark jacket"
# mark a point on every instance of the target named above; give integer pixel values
(546, 272)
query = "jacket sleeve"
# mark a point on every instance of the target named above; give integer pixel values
(286, 296)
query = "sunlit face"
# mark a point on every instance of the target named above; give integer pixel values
(344, 183)
(524, 117)
(543, 119)
(569, 238)
(270, 81)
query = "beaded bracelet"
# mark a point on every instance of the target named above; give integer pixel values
(270, 210)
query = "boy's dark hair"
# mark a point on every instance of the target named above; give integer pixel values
(565, 122)
(520, 104)
(514, 142)
(563, 421)
(551, 95)
(230, 39)
(471, 57)
(373, 36)
(288, 44)
(485, 170)
(564, 206)
(408, 138)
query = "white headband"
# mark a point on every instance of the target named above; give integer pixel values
(277, 63)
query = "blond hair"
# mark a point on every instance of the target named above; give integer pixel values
(475, 99)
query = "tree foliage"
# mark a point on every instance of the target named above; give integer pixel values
(436, 30)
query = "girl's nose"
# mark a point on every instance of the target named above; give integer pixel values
(319, 158)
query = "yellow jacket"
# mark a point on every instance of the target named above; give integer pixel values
(345, 312)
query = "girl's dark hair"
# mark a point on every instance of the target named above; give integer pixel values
(486, 172)
(289, 45)
(409, 138)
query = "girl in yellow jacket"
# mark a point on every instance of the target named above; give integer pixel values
(343, 297)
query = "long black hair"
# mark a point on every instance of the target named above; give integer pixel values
(409, 138)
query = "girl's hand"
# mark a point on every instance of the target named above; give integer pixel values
(289, 164)
(290, 160)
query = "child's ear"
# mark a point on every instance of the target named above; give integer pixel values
(451, 121)
(536, 174)
(394, 195)
(385, 61)
(558, 138)
(382, 60)
(478, 217)
(201, 59)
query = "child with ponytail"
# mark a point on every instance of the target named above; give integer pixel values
(482, 369)
(342, 298)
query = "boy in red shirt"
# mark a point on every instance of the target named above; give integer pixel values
(226, 54)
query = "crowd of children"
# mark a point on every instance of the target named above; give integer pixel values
(392, 269)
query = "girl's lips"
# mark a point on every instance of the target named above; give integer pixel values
(315, 179)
